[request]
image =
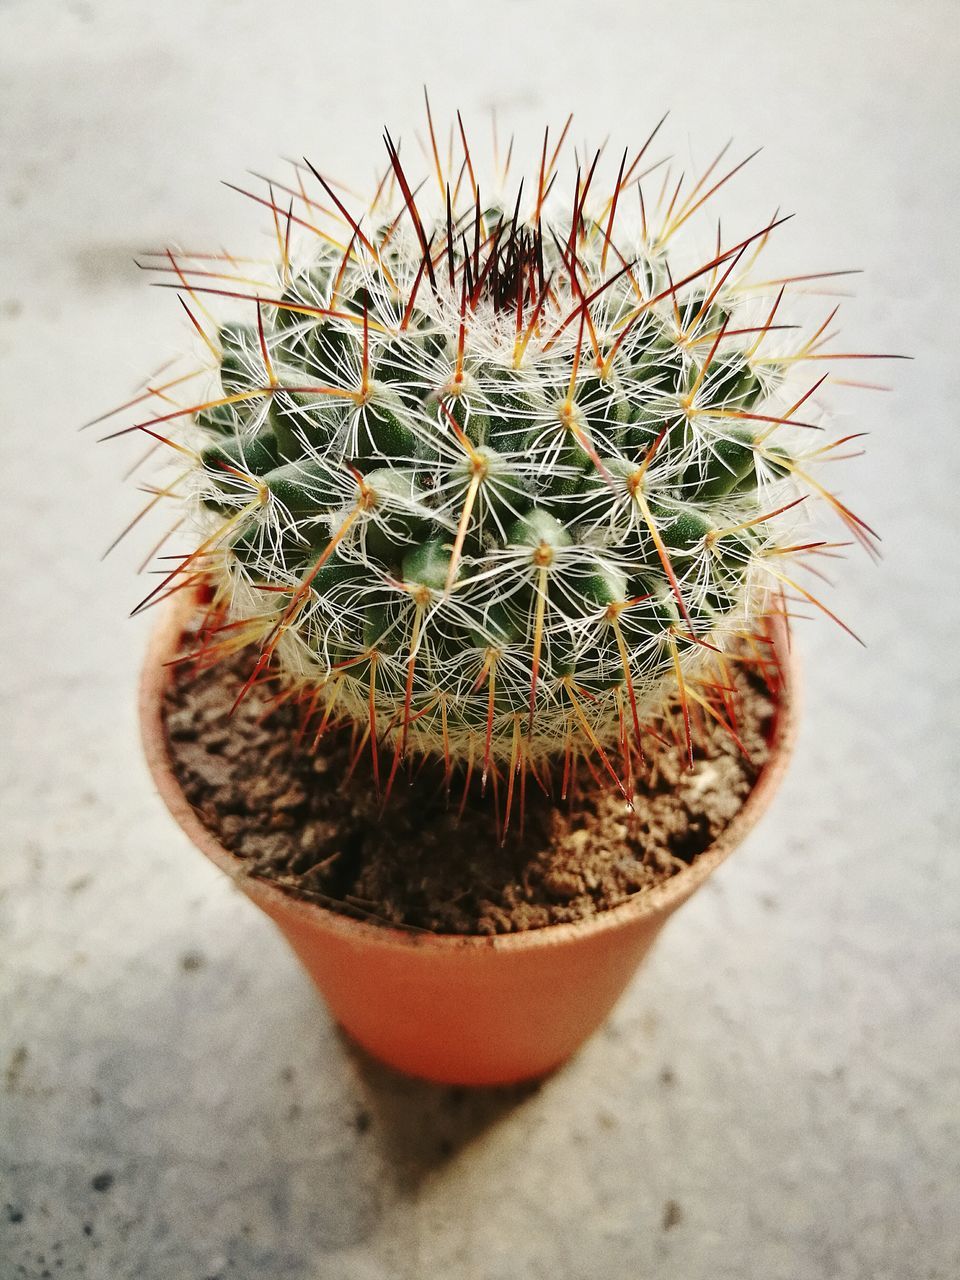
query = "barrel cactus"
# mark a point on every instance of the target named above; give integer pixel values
(494, 477)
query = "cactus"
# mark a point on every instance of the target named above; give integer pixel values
(497, 482)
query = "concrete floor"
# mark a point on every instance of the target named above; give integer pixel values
(778, 1096)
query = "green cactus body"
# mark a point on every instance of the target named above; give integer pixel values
(473, 498)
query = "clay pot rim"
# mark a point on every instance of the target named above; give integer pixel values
(275, 901)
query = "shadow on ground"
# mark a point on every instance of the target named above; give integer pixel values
(420, 1126)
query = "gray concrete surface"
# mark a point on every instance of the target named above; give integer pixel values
(778, 1096)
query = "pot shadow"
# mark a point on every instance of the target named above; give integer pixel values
(420, 1126)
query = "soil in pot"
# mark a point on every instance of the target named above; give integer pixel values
(311, 821)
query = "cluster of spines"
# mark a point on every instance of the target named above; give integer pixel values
(496, 486)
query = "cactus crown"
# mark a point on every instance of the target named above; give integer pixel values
(498, 482)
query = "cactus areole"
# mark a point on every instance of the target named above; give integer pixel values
(494, 470)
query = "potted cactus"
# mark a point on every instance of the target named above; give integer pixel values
(497, 487)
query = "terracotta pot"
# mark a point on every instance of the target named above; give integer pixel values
(454, 1009)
